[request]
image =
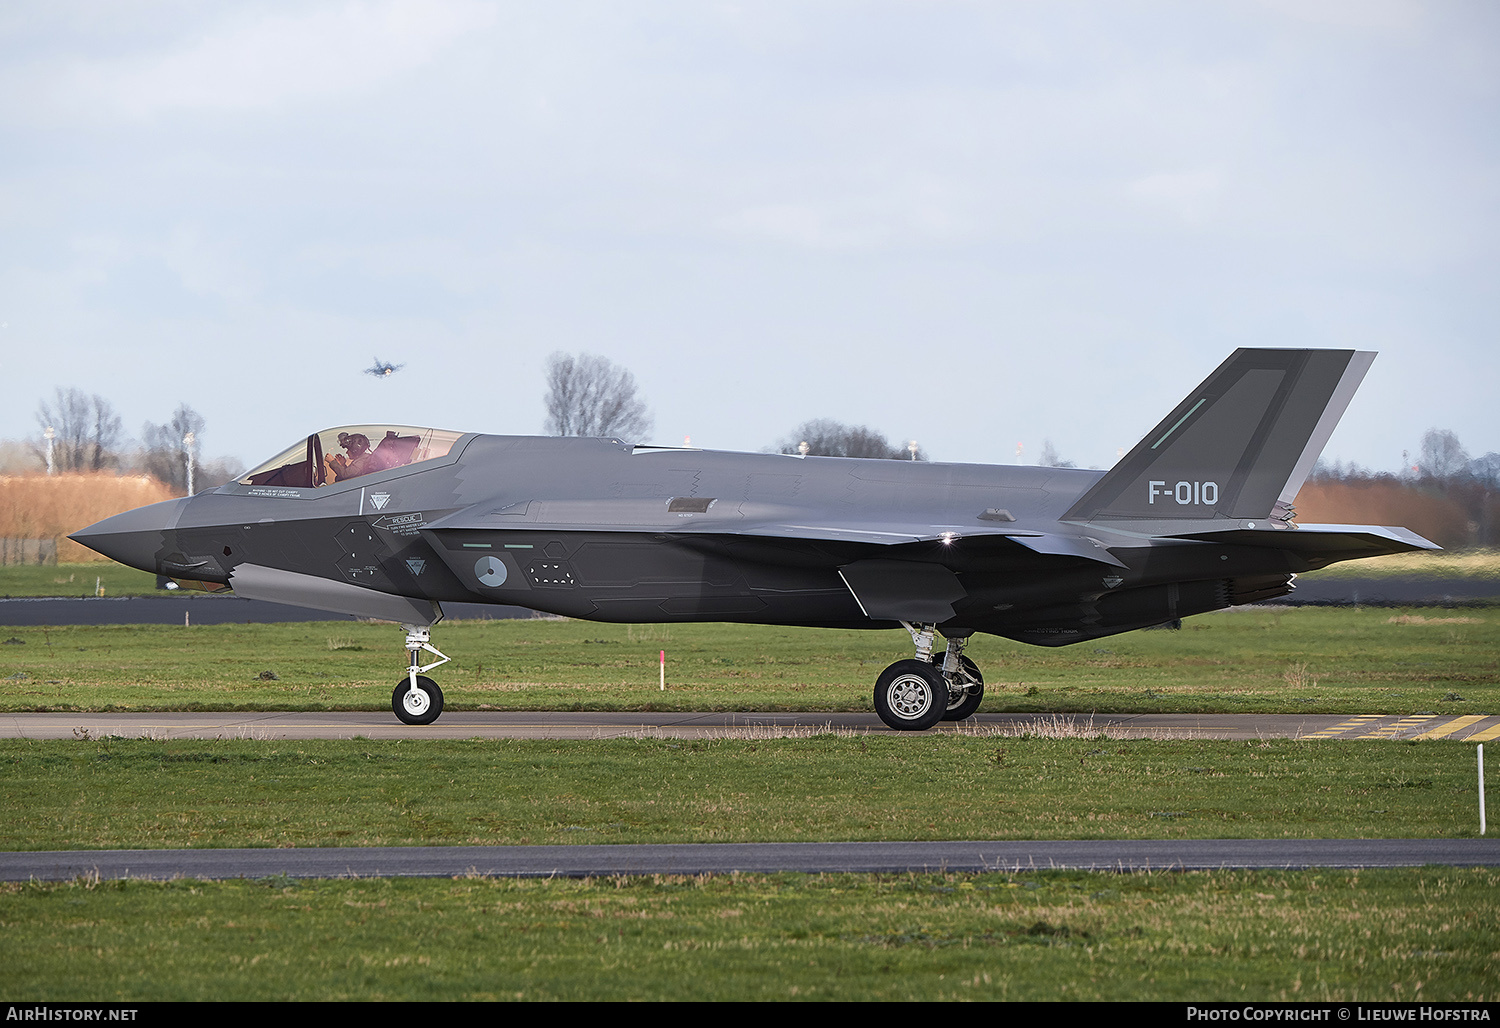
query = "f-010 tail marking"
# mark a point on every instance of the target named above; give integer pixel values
(1242, 441)
(1184, 493)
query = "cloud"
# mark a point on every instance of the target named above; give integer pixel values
(1189, 196)
(272, 61)
(1389, 15)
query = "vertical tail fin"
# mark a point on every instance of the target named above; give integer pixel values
(1242, 442)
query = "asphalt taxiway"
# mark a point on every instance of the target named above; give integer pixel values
(491, 724)
(727, 858)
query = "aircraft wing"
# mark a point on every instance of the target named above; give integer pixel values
(767, 522)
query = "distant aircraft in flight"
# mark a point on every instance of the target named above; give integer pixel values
(383, 369)
(1196, 517)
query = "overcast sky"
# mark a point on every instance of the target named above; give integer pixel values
(975, 225)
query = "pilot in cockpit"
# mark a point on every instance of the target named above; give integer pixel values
(361, 460)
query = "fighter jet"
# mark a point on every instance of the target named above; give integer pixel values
(383, 369)
(389, 522)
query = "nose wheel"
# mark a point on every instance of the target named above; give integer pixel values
(417, 702)
(417, 699)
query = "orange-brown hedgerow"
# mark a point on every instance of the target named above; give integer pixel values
(51, 506)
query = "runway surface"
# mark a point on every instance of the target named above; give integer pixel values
(727, 858)
(699, 725)
(578, 861)
(582, 860)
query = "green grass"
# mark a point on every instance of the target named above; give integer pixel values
(131, 793)
(1329, 660)
(1391, 935)
(1429, 934)
(76, 580)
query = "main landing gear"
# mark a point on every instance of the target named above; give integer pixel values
(417, 699)
(913, 695)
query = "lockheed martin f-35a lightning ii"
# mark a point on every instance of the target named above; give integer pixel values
(389, 522)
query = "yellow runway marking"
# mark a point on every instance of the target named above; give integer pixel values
(1387, 731)
(1485, 736)
(1346, 726)
(1361, 727)
(1447, 729)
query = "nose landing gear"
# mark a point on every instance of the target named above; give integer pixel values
(913, 695)
(417, 699)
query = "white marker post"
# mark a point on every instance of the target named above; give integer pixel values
(663, 670)
(1481, 789)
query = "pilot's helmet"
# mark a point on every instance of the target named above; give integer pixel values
(346, 440)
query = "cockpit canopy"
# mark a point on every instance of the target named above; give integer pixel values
(339, 454)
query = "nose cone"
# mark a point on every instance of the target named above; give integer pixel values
(136, 537)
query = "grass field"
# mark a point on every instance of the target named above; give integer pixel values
(1254, 660)
(1475, 563)
(1428, 935)
(129, 793)
(76, 580)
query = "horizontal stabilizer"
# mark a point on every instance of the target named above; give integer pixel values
(1330, 542)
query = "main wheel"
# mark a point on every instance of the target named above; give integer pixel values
(911, 696)
(965, 693)
(419, 706)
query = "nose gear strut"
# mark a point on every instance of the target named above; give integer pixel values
(417, 699)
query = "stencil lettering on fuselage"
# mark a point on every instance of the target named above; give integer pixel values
(401, 524)
(363, 553)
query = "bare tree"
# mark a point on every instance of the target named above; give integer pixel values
(1486, 470)
(85, 431)
(824, 437)
(1051, 459)
(588, 395)
(1442, 454)
(166, 449)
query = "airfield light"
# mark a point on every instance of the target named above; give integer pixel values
(802, 447)
(187, 455)
(912, 446)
